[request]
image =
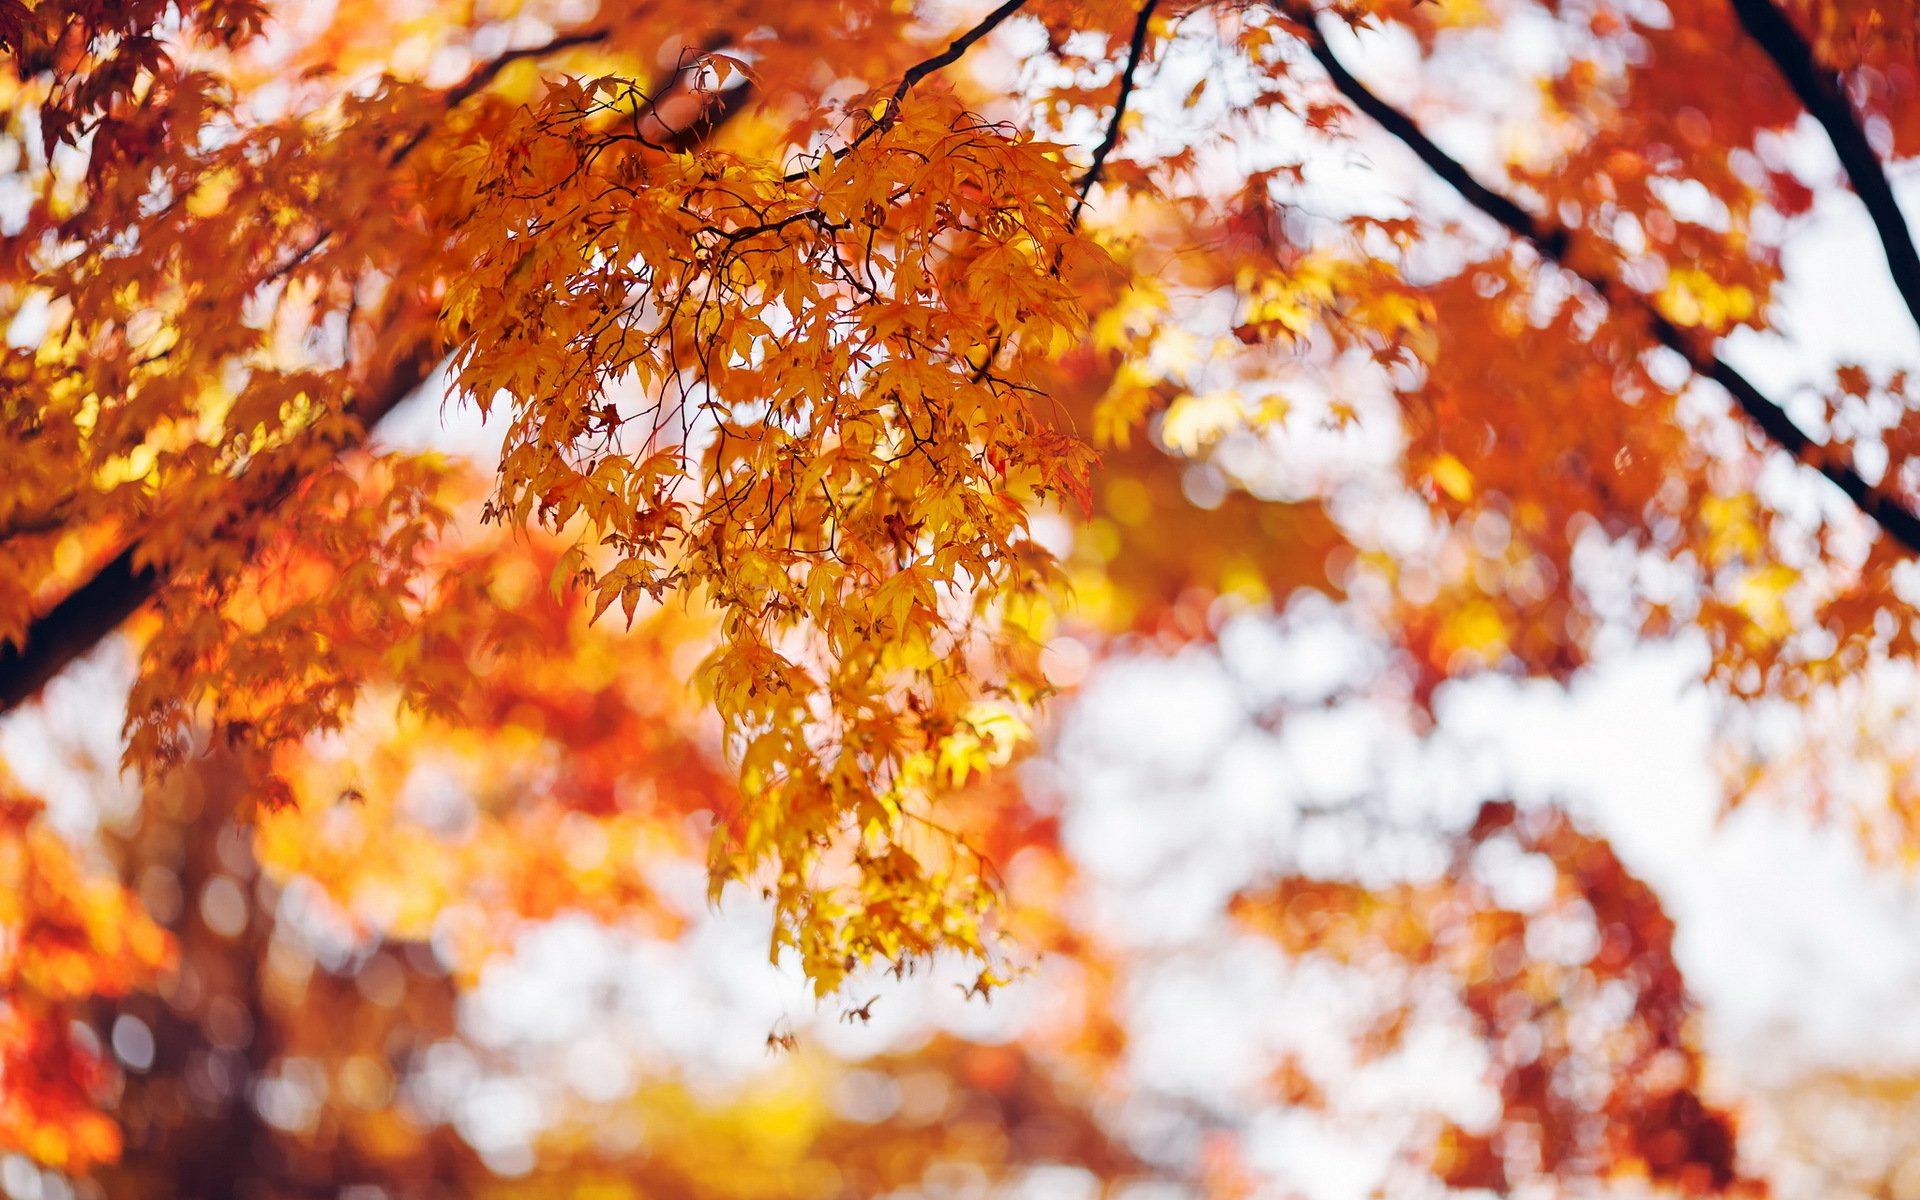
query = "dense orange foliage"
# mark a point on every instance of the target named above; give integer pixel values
(862, 376)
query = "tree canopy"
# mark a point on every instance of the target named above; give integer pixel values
(855, 380)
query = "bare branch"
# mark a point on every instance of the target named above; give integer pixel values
(38, 522)
(952, 53)
(488, 71)
(1823, 95)
(1136, 50)
(1894, 517)
(919, 71)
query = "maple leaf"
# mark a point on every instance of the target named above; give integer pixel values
(798, 327)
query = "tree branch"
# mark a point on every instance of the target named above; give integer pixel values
(1823, 95)
(73, 627)
(918, 71)
(488, 71)
(1136, 50)
(484, 74)
(1894, 517)
(952, 53)
(118, 589)
(55, 517)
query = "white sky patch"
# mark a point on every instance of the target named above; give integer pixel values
(1795, 946)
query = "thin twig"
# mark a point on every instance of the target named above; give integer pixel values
(1136, 50)
(919, 71)
(488, 71)
(954, 50)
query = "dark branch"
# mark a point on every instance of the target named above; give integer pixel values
(1823, 95)
(484, 74)
(920, 70)
(952, 53)
(1136, 50)
(41, 521)
(74, 626)
(117, 590)
(490, 70)
(1894, 517)
(717, 113)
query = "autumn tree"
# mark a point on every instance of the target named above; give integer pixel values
(860, 374)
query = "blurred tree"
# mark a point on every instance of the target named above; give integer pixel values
(886, 366)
